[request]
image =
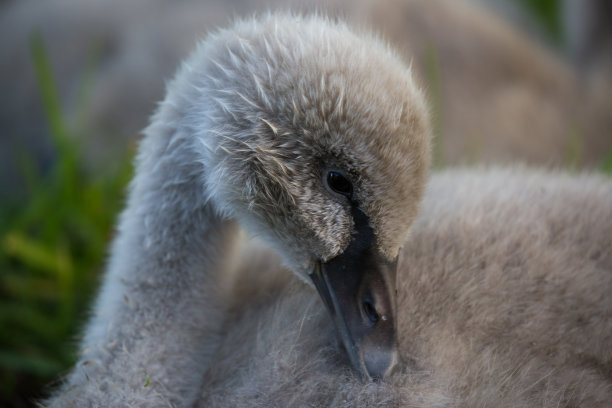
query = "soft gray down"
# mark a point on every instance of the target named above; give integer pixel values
(503, 282)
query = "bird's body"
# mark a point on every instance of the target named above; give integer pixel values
(317, 139)
(504, 292)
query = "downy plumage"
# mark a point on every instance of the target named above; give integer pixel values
(502, 285)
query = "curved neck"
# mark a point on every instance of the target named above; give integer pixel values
(160, 300)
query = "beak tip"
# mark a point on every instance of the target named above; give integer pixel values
(379, 363)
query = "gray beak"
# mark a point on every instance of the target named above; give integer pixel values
(358, 288)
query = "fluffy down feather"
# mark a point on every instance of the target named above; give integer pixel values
(504, 293)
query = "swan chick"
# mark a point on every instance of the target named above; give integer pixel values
(315, 138)
(304, 132)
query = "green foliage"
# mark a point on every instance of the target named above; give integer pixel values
(52, 248)
(574, 148)
(434, 90)
(606, 166)
(548, 14)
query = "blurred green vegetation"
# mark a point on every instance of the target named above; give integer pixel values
(607, 164)
(548, 14)
(52, 248)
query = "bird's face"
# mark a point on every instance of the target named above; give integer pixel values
(323, 149)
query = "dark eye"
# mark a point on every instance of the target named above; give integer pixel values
(339, 183)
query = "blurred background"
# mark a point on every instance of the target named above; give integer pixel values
(524, 81)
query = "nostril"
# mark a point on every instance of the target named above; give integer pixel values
(370, 311)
